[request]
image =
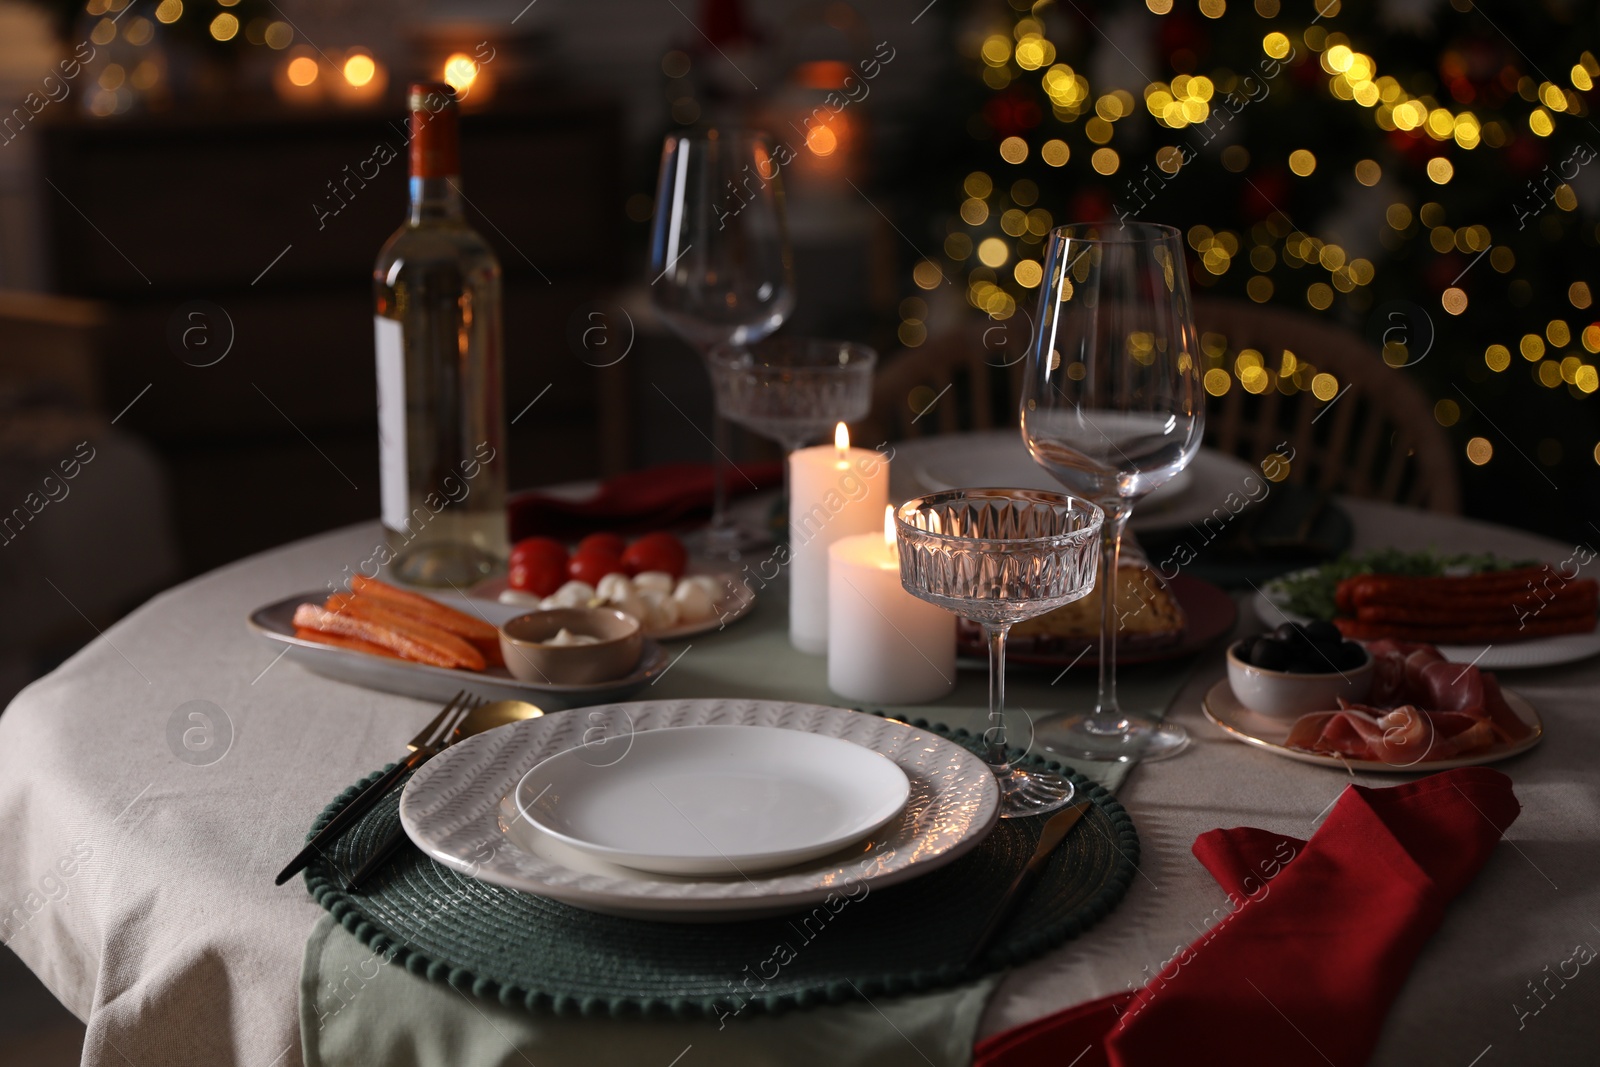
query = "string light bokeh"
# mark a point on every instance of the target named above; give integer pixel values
(1329, 157)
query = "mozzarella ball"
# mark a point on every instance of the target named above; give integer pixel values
(694, 603)
(653, 581)
(574, 594)
(614, 588)
(661, 611)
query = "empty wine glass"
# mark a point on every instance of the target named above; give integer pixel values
(720, 259)
(1112, 407)
(998, 556)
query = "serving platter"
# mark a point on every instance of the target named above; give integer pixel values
(1271, 607)
(274, 623)
(716, 800)
(461, 808)
(1263, 732)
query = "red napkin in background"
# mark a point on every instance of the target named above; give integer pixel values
(636, 502)
(1316, 948)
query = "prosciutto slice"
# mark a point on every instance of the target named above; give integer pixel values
(1423, 708)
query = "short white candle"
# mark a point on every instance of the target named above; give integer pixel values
(834, 491)
(884, 645)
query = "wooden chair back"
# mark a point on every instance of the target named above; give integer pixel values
(1373, 436)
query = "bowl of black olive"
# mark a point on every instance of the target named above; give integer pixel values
(1298, 668)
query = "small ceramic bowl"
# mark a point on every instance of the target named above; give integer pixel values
(1282, 695)
(530, 658)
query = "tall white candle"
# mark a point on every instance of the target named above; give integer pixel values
(884, 645)
(834, 491)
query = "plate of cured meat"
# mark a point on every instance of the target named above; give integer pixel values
(1424, 713)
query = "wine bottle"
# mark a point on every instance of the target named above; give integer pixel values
(441, 419)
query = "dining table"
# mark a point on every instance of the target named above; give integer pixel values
(136, 865)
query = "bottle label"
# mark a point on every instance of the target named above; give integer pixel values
(393, 478)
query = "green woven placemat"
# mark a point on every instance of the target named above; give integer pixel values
(543, 955)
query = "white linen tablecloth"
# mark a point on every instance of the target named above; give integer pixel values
(138, 885)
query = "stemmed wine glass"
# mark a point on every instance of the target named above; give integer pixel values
(1112, 407)
(720, 259)
(793, 390)
(998, 556)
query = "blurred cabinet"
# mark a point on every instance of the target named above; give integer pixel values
(276, 218)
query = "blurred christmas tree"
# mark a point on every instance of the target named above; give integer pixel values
(1358, 160)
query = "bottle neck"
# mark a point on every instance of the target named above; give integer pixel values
(435, 199)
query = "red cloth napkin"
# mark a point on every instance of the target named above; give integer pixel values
(1322, 936)
(635, 502)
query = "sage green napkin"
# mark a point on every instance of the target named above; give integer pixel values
(357, 1011)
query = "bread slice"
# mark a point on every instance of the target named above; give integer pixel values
(1149, 613)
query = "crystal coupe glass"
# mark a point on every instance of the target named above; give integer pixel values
(997, 557)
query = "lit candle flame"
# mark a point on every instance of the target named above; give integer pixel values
(841, 440)
(888, 525)
(460, 71)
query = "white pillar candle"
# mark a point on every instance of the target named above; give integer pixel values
(834, 491)
(884, 645)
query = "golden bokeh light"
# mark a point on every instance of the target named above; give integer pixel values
(1447, 412)
(1013, 149)
(1440, 170)
(1497, 357)
(302, 70)
(993, 252)
(359, 69)
(1479, 451)
(1055, 152)
(169, 11)
(1105, 161)
(1454, 300)
(225, 27)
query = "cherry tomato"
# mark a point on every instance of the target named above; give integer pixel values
(541, 577)
(604, 544)
(656, 552)
(592, 566)
(530, 549)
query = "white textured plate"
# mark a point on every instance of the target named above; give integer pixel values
(720, 800)
(1242, 724)
(1503, 655)
(460, 810)
(1000, 458)
(732, 604)
(275, 623)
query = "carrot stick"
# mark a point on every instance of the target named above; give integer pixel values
(352, 617)
(354, 644)
(377, 611)
(405, 602)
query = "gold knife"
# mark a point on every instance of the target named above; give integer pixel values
(1055, 831)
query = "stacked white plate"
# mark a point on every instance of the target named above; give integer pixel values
(700, 810)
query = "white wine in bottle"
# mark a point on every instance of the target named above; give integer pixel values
(441, 420)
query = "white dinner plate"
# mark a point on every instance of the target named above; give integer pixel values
(1270, 608)
(730, 605)
(1242, 724)
(723, 800)
(1000, 458)
(461, 809)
